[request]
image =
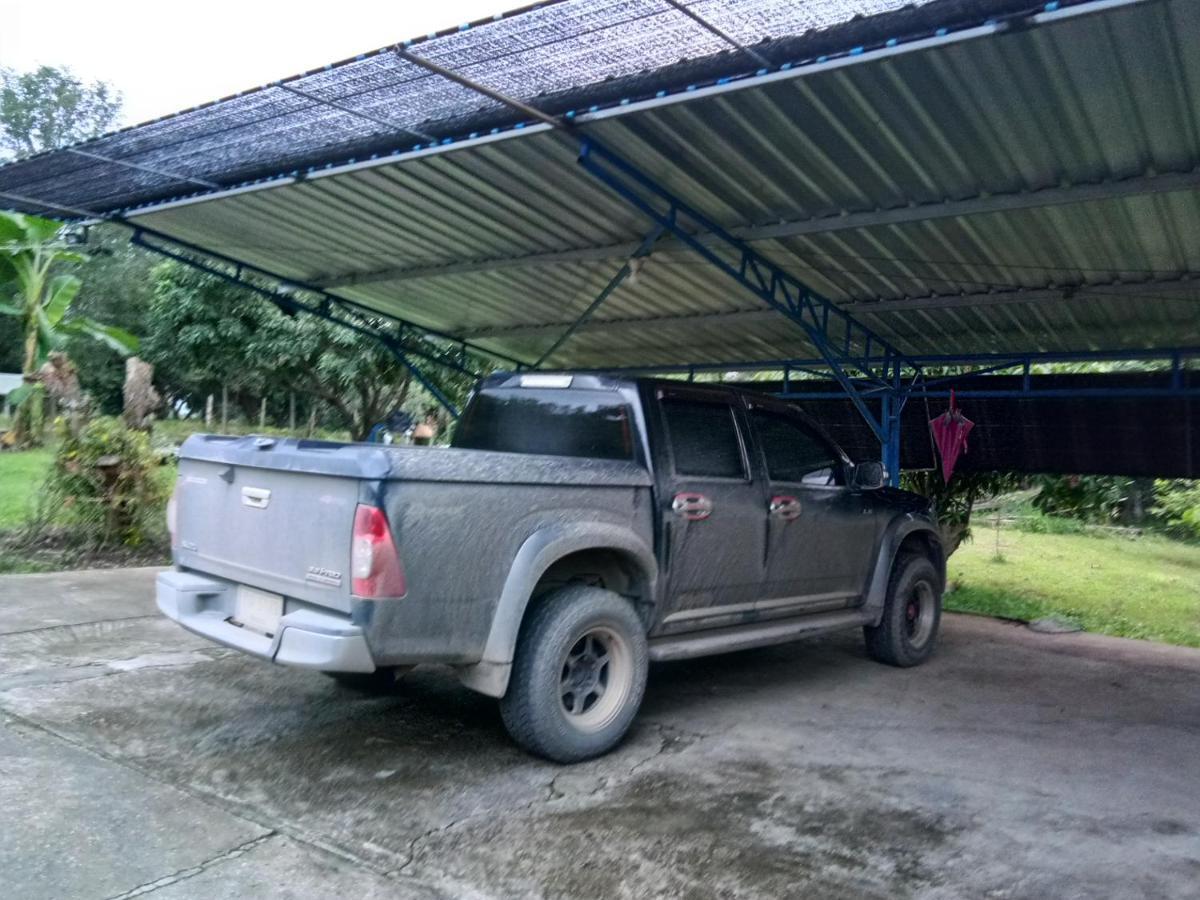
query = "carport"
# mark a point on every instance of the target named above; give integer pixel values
(897, 199)
(876, 204)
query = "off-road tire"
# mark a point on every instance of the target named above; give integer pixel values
(900, 638)
(559, 669)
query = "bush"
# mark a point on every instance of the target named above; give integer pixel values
(102, 486)
(955, 501)
(1040, 523)
(1099, 499)
(1177, 507)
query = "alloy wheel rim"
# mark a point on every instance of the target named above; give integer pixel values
(595, 678)
(919, 614)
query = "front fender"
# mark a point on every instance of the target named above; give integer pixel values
(898, 529)
(539, 551)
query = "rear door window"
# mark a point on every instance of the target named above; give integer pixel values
(704, 439)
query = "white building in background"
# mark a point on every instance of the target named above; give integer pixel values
(8, 383)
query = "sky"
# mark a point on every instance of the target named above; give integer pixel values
(168, 55)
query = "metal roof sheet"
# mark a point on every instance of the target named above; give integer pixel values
(993, 189)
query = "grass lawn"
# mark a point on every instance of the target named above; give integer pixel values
(21, 474)
(1140, 587)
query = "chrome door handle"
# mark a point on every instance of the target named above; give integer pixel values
(691, 506)
(784, 507)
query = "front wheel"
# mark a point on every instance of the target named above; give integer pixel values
(578, 676)
(912, 613)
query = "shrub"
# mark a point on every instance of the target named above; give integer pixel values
(1099, 499)
(1177, 507)
(1040, 523)
(955, 501)
(102, 485)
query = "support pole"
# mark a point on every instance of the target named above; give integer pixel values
(890, 440)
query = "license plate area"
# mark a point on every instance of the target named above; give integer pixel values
(257, 610)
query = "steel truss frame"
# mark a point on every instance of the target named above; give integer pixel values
(845, 344)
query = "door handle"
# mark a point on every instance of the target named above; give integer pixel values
(691, 506)
(784, 507)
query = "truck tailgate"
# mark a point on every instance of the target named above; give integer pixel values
(276, 515)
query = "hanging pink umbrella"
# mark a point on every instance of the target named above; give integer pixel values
(950, 431)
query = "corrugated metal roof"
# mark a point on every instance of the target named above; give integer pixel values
(997, 189)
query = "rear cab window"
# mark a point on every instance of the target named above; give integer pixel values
(597, 424)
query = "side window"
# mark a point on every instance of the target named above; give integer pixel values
(793, 452)
(704, 439)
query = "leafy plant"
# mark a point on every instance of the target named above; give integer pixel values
(1099, 499)
(955, 501)
(1177, 507)
(30, 249)
(102, 486)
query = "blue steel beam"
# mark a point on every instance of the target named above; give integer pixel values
(995, 360)
(845, 344)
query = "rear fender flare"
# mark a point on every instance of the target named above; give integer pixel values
(539, 551)
(900, 528)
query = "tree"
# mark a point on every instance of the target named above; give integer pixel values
(31, 249)
(204, 334)
(50, 108)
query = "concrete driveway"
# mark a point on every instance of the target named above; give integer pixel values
(136, 759)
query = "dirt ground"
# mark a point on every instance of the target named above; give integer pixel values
(137, 759)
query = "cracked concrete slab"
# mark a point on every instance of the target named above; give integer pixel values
(277, 868)
(1013, 765)
(76, 825)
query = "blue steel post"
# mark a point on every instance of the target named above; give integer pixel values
(890, 440)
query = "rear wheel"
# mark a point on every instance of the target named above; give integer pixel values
(578, 676)
(912, 613)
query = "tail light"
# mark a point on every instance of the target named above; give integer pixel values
(375, 567)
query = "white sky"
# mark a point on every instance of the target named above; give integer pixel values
(167, 55)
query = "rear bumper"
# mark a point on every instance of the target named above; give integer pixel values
(307, 638)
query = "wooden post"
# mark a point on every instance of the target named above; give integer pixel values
(312, 420)
(224, 408)
(262, 414)
(208, 412)
(292, 411)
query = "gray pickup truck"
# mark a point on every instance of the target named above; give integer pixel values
(579, 527)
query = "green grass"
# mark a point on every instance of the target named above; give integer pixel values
(1129, 586)
(21, 475)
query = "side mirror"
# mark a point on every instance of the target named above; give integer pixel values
(869, 476)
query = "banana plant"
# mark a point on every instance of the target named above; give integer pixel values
(30, 249)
